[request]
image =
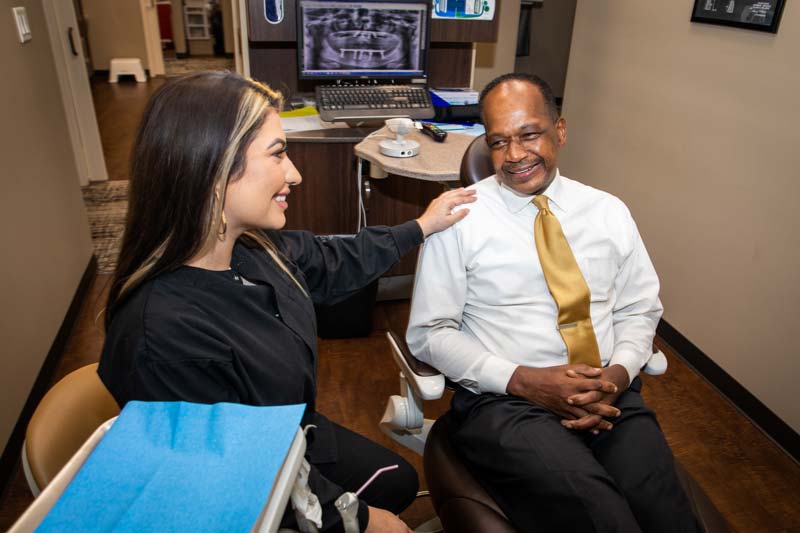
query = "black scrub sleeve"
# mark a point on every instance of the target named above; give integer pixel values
(336, 267)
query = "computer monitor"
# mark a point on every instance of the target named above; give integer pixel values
(345, 40)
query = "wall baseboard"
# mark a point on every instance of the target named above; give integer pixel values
(775, 428)
(102, 75)
(11, 453)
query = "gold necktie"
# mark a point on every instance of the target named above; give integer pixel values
(567, 286)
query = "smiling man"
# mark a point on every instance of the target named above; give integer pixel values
(542, 305)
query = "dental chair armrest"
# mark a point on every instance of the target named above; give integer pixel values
(426, 382)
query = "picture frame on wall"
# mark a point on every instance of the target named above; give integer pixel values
(759, 15)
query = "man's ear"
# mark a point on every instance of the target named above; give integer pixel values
(561, 131)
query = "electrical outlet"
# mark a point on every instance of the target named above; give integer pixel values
(23, 28)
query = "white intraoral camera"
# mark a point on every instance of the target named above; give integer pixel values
(399, 146)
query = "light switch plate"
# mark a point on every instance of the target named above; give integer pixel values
(23, 28)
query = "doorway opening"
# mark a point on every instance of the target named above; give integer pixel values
(196, 35)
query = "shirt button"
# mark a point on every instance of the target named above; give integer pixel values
(277, 315)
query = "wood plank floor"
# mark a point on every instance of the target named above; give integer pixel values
(754, 484)
(119, 107)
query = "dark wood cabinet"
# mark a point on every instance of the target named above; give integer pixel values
(326, 203)
(396, 199)
(259, 30)
(466, 31)
(451, 64)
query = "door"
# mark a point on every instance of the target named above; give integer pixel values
(75, 91)
(152, 37)
(240, 42)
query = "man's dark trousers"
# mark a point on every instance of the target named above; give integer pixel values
(546, 477)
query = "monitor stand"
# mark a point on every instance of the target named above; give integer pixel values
(300, 100)
(371, 123)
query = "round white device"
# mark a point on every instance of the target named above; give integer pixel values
(393, 148)
(399, 147)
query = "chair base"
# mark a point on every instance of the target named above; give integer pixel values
(459, 500)
(26, 469)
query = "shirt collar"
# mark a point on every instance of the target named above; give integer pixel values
(516, 202)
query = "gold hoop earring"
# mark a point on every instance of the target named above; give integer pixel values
(223, 227)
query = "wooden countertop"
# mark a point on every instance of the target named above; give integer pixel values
(435, 161)
(330, 135)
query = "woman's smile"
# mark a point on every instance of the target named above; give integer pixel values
(280, 199)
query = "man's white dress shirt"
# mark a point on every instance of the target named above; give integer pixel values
(481, 306)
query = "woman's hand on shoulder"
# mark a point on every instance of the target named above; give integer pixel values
(439, 213)
(382, 521)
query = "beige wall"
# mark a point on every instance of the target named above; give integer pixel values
(115, 30)
(43, 226)
(695, 128)
(227, 25)
(550, 37)
(201, 47)
(178, 33)
(494, 59)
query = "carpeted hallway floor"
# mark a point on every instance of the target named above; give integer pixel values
(106, 206)
(178, 67)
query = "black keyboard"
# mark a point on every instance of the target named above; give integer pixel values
(356, 103)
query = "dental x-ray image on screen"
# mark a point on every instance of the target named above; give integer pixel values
(346, 39)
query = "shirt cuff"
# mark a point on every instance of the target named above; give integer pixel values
(407, 235)
(630, 360)
(495, 374)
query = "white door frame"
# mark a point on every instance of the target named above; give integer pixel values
(76, 94)
(152, 37)
(241, 47)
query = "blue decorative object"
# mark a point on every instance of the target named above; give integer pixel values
(273, 11)
(464, 9)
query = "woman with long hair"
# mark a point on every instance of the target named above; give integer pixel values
(210, 302)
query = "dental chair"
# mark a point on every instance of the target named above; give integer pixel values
(461, 503)
(67, 415)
